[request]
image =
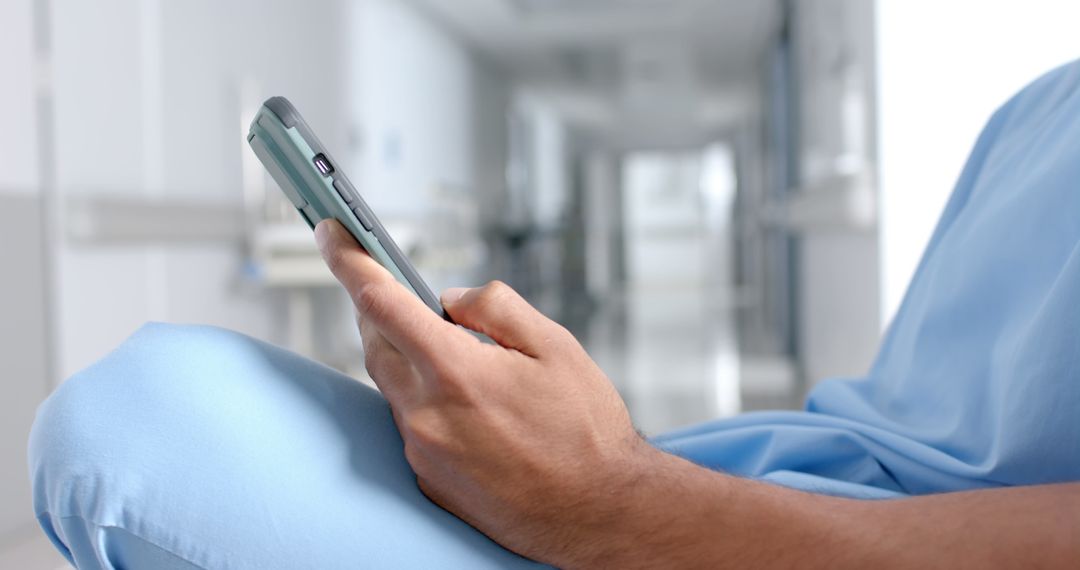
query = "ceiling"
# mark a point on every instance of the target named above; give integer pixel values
(631, 67)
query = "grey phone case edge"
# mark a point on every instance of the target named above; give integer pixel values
(284, 111)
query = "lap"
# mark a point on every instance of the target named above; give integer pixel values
(210, 449)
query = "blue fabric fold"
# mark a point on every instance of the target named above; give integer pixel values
(977, 383)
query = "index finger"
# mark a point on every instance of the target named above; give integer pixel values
(405, 321)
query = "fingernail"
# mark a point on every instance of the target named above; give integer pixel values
(322, 234)
(453, 295)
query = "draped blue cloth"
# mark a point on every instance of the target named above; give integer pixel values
(977, 383)
(195, 447)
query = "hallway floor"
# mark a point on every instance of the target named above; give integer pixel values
(673, 353)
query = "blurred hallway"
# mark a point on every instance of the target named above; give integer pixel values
(688, 185)
(670, 340)
(628, 166)
(673, 355)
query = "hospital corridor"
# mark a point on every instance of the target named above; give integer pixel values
(724, 201)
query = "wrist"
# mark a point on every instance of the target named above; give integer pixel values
(646, 509)
(664, 511)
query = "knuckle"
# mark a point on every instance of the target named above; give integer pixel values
(374, 370)
(367, 331)
(497, 285)
(431, 491)
(493, 293)
(564, 335)
(423, 432)
(414, 456)
(373, 359)
(560, 340)
(425, 487)
(370, 300)
(499, 288)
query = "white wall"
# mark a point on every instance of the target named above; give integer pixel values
(414, 108)
(148, 104)
(23, 346)
(837, 325)
(23, 354)
(18, 140)
(943, 68)
(152, 100)
(428, 119)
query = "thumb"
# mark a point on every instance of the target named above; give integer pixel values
(399, 315)
(499, 312)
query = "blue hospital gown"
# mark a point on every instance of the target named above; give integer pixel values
(977, 383)
(195, 447)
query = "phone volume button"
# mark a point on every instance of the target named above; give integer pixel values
(363, 217)
(344, 191)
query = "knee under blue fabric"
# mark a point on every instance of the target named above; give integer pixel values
(199, 447)
(193, 447)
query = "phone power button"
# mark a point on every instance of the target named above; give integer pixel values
(361, 215)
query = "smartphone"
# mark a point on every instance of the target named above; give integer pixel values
(319, 189)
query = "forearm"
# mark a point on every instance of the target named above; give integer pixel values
(681, 515)
(1018, 527)
(527, 440)
(686, 516)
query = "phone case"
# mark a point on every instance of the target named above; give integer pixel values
(315, 184)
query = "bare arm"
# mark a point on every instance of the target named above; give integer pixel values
(528, 441)
(694, 517)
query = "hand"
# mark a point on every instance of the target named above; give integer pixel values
(526, 439)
